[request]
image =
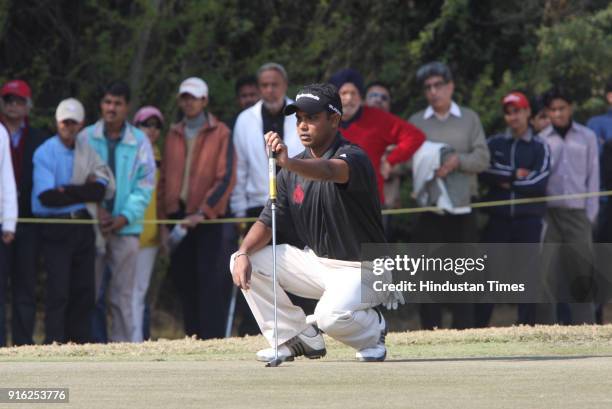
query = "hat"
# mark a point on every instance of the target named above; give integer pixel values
(517, 100)
(347, 75)
(70, 109)
(194, 86)
(311, 100)
(147, 112)
(16, 87)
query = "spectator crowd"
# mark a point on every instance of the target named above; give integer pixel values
(117, 172)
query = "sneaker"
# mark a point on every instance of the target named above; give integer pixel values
(311, 346)
(378, 352)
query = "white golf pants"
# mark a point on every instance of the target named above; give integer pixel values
(340, 312)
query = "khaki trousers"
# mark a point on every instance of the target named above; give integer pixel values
(121, 255)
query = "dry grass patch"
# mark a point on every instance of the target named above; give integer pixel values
(508, 341)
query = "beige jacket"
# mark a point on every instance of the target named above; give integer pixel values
(87, 163)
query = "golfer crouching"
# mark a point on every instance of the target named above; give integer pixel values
(327, 196)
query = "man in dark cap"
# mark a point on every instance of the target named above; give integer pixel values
(330, 174)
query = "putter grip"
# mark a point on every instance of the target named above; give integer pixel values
(272, 173)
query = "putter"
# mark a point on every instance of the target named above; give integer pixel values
(272, 176)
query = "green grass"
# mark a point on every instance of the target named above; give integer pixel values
(515, 367)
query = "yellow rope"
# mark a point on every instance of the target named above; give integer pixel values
(412, 210)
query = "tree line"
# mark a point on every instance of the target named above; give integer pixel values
(73, 47)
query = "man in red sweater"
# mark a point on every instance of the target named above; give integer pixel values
(373, 129)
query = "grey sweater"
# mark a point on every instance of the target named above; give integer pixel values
(465, 135)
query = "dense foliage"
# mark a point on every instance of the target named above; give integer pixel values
(72, 47)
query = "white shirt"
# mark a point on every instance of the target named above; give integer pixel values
(454, 110)
(251, 188)
(8, 191)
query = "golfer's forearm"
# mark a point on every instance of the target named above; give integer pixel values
(257, 238)
(320, 169)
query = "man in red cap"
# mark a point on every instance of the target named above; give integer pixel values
(15, 105)
(519, 168)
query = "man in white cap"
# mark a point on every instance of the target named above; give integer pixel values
(198, 172)
(67, 175)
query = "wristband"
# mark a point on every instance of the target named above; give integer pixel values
(242, 253)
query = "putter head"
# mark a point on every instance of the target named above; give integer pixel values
(274, 363)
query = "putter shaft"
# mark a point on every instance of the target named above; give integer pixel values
(273, 206)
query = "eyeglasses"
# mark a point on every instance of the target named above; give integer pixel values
(436, 86)
(14, 99)
(378, 95)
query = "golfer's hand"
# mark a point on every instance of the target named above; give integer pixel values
(274, 142)
(241, 272)
(396, 298)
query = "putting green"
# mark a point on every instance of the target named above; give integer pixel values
(541, 367)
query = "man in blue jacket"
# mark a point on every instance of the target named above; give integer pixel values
(519, 168)
(128, 153)
(68, 176)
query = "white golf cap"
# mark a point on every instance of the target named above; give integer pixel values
(70, 109)
(194, 86)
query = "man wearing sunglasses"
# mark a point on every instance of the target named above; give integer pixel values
(149, 120)
(378, 96)
(23, 252)
(373, 129)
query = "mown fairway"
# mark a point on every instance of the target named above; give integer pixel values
(542, 367)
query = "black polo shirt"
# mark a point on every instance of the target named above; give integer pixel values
(330, 218)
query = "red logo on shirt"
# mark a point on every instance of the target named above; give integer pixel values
(298, 194)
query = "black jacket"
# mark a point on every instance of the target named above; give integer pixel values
(507, 155)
